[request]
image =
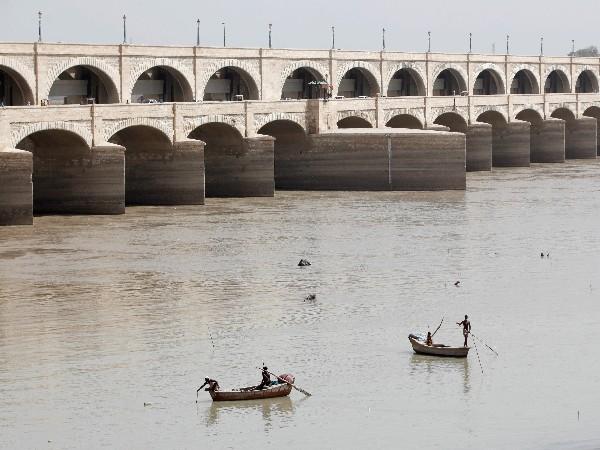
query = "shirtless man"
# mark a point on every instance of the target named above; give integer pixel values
(466, 328)
(213, 385)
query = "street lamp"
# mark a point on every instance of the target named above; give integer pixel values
(507, 44)
(124, 29)
(270, 31)
(333, 38)
(470, 42)
(224, 34)
(198, 33)
(429, 42)
(541, 46)
(39, 26)
(383, 39)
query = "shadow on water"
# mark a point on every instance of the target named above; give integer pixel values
(435, 366)
(270, 409)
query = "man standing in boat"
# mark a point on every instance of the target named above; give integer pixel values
(213, 385)
(466, 324)
(266, 379)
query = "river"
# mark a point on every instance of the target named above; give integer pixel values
(108, 324)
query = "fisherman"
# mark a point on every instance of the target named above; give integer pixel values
(429, 340)
(266, 379)
(213, 385)
(466, 328)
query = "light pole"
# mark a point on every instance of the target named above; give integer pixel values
(507, 44)
(224, 34)
(270, 33)
(333, 38)
(39, 26)
(383, 39)
(198, 33)
(572, 47)
(541, 46)
(429, 42)
(124, 29)
(470, 42)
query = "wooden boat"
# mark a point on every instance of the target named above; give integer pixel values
(277, 389)
(419, 347)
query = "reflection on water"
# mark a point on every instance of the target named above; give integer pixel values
(101, 315)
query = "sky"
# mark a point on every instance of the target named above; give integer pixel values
(307, 23)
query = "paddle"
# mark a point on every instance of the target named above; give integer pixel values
(439, 326)
(308, 394)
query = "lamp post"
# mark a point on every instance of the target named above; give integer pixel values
(198, 33)
(507, 44)
(333, 38)
(541, 46)
(39, 26)
(383, 39)
(224, 34)
(470, 42)
(429, 42)
(124, 29)
(572, 47)
(270, 33)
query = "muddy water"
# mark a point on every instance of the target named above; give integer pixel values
(100, 315)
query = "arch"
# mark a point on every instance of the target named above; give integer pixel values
(556, 82)
(223, 168)
(113, 127)
(19, 131)
(14, 89)
(77, 84)
(404, 121)
(365, 71)
(290, 142)
(524, 82)
(227, 82)
(304, 83)
(161, 83)
(530, 115)
(180, 69)
(488, 82)
(354, 122)
(249, 67)
(494, 118)
(59, 170)
(261, 120)
(449, 79)
(107, 73)
(405, 81)
(20, 72)
(587, 82)
(594, 112)
(563, 113)
(319, 71)
(454, 121)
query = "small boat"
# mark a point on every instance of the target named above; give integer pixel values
(277, 389)
(419, 346)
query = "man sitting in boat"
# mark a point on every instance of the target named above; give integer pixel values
(213, 385)
(429, 340)
(466, 328)
(266, 379)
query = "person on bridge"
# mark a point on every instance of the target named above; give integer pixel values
(266, 379)
(213, 385)
(466, 324)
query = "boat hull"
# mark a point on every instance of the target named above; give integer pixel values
(280, 390)
(433, 350)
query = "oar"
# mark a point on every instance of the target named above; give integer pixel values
(308, 394)
(481, 340)
(439, 326)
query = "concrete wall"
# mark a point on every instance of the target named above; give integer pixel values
(16, 205)
(372, 160)
(548, 141)
(510, 146)
(581, 138)
(89, 184)
(479, 147)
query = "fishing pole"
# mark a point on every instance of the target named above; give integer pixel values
(481, 340)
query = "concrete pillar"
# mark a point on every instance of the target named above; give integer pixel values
(581, 138)
(510, 144)
(241, 171)
(548, 141)
(16, 192)
(93, 183)
(479, 147)
(173, 175)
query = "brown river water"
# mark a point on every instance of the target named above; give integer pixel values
(100, 315)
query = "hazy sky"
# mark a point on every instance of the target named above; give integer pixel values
(307, 23)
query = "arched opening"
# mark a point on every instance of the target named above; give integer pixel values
(454, 121)
(230, 83)
(80, 85)
(358, 82)
(58, 169)
(223, 168)
(563, 113)
(404, 83)
(594, 112)
(449, 82)
(488, 82)
(161, 84)
(303, 83)
(14, 90)
(524, 82)
(531, 116)
(586, 82)
(557, 83)
(290, 142)
(405, 121)
(354, 122)
(147, 152)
